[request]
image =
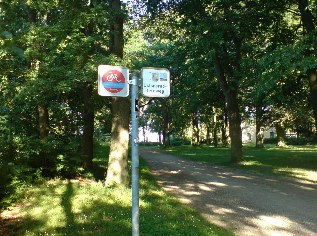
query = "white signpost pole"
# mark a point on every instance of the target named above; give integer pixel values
(135, 154)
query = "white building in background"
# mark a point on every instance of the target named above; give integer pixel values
(249, 134)
(146, 135)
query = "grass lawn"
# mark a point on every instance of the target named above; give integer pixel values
(86, 207)
(292, 161)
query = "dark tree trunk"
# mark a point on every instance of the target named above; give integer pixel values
(234, 118)
(224, 127)
(117, 173)
(43, 121)
(88, 128)
(313, 93)
(280, 135)
(195, 129)
(306, 16)
(258, 124)
(215, 127)
(165, 132)
(43, 134)
(208, 131)
(116, 31)
(43, 115)
(235, 132)
(160, 137)
(309, 26)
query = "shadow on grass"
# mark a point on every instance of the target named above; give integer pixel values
(286, 162)
(289, 162)
(85, 207)
(66, 203)
(11, 226)
(73, 209)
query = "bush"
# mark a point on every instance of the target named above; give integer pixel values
(150, 144)
(294, 141)
(180, 141)
(25, 159)
(270, 141)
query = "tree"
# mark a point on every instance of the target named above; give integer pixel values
(117, 172)
(309, 26)
(50, 88)
(284, 66)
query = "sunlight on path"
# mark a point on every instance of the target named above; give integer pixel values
(247, 204)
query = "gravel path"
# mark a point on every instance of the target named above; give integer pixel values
(247, 204)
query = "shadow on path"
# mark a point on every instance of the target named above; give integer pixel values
(247, 204)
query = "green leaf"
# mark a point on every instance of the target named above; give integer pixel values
(6, 35)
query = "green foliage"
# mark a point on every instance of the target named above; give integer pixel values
(264, 51)
(180, 141)
(26, 160)
(294, 141)
(49, 55)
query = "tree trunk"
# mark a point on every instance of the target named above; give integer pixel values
(160, 137)
(43, 134)
(306, 16)
(117, 172)
(215, 127)
(224, 136)
(234, 118)
(309, 27)
(43, 115)
(88, 129)
(208, 137)
(116, 29)
(235, 131)
(280, 135)
(258, 124)
(313, 94)
(165, 132)
(43, 122)
(195, 129)
(224, 128)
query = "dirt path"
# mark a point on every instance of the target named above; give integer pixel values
(247, 204)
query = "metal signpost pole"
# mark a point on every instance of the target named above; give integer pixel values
(135, 154)
(113, 81)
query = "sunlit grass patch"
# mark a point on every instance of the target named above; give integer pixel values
(290, 161)
(250, 163)
(299, 173)
(69, 208)
(85, 207)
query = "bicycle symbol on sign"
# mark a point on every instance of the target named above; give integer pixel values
(113, 77)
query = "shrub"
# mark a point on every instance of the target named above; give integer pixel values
(25, 159)
(294, 141)
(180, 141)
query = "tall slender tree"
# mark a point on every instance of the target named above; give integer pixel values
(117, 172)
(309, 25)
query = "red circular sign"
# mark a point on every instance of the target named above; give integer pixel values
(113, 81)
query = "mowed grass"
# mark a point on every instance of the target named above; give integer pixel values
(293, 161)
(86, 207)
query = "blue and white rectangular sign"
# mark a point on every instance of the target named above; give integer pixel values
(156, 82)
